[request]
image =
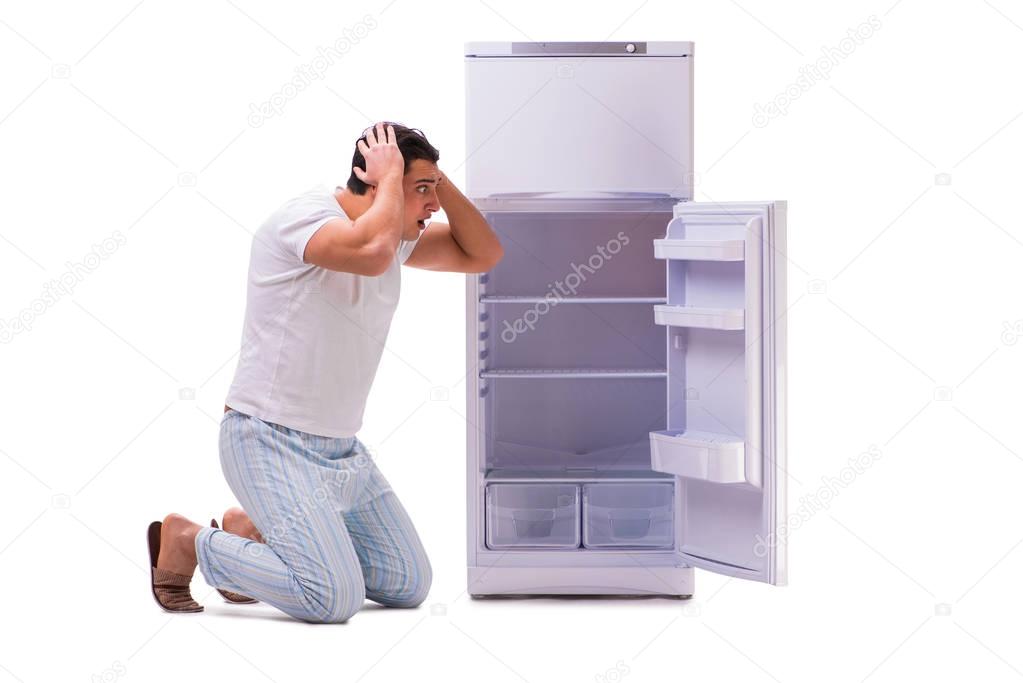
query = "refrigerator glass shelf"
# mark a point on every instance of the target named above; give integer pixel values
(547, 204)
(581, 474)
(486, 299)
(699, 250)
(699, 455)
(696, 316)
(574, 373)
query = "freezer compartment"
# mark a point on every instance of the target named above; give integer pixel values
(532, 515)
(576, 124)
(699, 455)
(562, 424)
(562, 255)
(628, 515)
(572, 335)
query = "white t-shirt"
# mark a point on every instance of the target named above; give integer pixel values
(312, 337)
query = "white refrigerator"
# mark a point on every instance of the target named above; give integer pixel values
(626, 359)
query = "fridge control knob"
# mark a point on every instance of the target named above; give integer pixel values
(630, 47)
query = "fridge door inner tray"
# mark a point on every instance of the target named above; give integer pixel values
(699, 455)
(695, 316)
(699, 250)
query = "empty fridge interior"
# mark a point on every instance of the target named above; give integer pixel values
(573, 378)
(554, 426)
(572, 335)
(572, 365)
(578, 253)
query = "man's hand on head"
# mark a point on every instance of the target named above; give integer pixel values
(382, 155)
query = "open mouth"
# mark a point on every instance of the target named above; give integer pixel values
(422, 224)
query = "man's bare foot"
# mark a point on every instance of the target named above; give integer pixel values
(237, 522)
(177, 545)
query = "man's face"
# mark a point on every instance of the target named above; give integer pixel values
(420, 184)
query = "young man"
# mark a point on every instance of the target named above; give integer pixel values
(323, 529)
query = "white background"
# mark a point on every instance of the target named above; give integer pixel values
(904, 317)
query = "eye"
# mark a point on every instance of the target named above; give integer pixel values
(421, 189)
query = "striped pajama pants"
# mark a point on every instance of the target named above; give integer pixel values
(334, 532)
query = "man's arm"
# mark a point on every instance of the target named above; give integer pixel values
(367, 246)
(466, 244)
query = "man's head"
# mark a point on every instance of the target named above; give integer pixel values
(420, 177)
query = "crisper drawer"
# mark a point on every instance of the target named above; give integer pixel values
(628, 515)
(532, 516)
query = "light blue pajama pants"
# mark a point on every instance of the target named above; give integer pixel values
(334, 532)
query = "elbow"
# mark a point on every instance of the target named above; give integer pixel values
(488, 262)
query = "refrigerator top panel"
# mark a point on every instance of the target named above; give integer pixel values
(579, 120)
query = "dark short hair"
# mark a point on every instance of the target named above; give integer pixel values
(411, 142)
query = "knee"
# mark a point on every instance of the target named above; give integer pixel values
(238, 522)
(417, 586)
(234, 517)
(331, 600)
(422, 584)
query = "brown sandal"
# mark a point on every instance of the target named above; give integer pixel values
(230, 596)
(170, 590)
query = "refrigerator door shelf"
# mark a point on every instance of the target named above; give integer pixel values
(695, 316)
(707, 456)
(699, 250)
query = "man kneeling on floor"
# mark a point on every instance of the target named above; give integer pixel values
(320, 529)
